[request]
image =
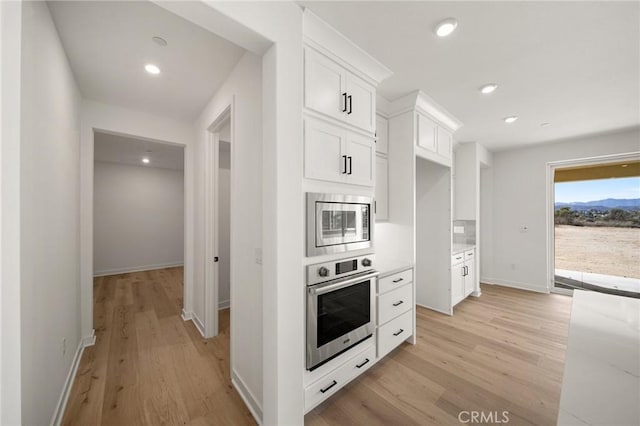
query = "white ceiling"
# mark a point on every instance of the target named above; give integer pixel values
(109, 42)
(111, 148)
(572, 64)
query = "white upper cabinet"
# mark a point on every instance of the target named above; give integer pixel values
(433, 137)
(335, 154)
(361, 99)
(332, 90)
(382, 135)
(382, 188)
(427, 133)
(361, 159)
(445, 142)
(323, 151)
(324, 81)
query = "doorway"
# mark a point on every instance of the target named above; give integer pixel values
(595, 227)
(218, 247)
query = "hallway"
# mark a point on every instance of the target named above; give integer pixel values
(148, 366)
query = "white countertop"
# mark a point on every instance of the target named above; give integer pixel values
(601, 384)
(458, 248)
(391, 266)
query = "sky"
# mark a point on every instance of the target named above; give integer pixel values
(592, 190)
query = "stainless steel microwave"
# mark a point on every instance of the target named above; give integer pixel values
(338, 223)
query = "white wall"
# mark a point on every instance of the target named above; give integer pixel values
(243, 89)
(138, 218)
(224, 227)
(516, 188)
(49, 228)
(10, 80)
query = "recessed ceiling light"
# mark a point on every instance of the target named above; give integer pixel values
(146, 160)
(510, 119)
(152, 69)
(159, 41)
(545, 124)
(488, 88)
(446, 27)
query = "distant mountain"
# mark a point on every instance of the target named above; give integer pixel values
(609, 203)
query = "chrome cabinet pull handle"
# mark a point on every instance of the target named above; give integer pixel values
(398, 303)
(329, 387)
(399, 332)
(365, 362)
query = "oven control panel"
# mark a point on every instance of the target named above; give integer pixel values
(327, 271)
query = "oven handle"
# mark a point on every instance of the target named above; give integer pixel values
(321, 289)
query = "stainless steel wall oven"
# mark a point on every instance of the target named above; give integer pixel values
(340, 307)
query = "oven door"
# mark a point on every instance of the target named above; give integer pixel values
(339, 315)
(337, 223)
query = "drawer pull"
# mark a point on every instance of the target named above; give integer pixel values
(398, 303)
(399, 332)
(398, 280)
(329, 387)
(365, 362)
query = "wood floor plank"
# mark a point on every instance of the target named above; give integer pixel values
(148, 366)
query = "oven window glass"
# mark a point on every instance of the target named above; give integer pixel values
(342, 311)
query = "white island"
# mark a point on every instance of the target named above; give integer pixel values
(601, 384)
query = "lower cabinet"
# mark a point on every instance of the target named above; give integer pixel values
(463, 279)
(329, 384)
(396, 310)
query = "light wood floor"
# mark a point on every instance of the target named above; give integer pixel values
(501, 352)
(148, 366)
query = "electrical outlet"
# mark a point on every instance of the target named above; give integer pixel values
(64, 347)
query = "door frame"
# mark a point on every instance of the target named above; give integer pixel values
(211, 268)
(551, 168)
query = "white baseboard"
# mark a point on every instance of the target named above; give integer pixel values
(89, 340)
(186, 316)
(514, 284)
(58, 414)
(250, 401)
(137, 269)
(199, 324)
(434, 309)
(224, 304)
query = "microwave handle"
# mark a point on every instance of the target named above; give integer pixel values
(321, 289)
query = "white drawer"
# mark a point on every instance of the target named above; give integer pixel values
(394, 332)
(469, 254)
(322, 389)
(457, 258)
(394, 281)
(394, 303)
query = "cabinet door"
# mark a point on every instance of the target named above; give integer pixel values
(470, 279)
(382, 135)
(361, 155)
(324, 156)
(427, 130)
(457, 283)
(324, 84)
(445, 141)
(361, 103)
(382, 188)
